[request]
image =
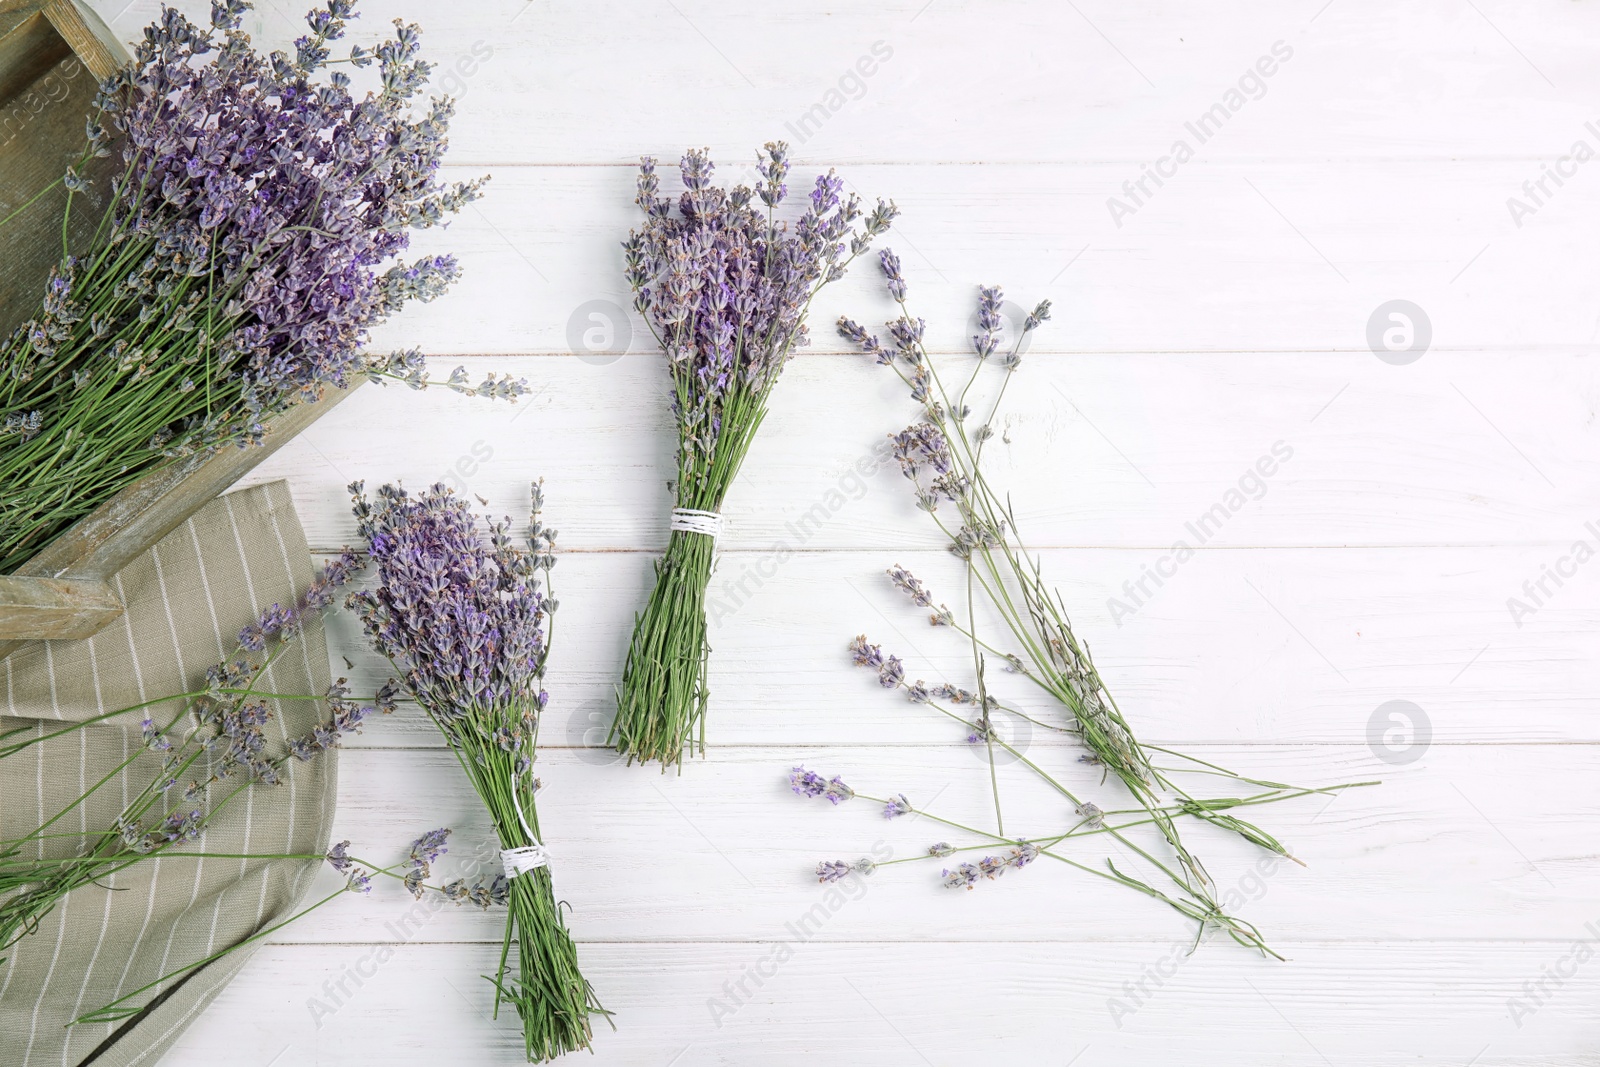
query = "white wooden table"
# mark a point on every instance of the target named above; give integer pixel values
(1447, 917)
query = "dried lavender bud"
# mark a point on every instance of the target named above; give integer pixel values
(427, 849)
(898, 805)
(807, 783)
(339, 857)
(963, 877)
(1092, 814)
(864, 654)
(941, 849)
(990, 324)
(909, 584)
(832, 870)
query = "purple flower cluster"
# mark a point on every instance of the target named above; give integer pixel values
(966, 875)
(286, 192)
(462, 619)
(897, 806)
(725, 286)
(922, 448)
(425, 851)
(177, 826)
(811, 784)
(834, 870)
(912, 586)
(891, 672)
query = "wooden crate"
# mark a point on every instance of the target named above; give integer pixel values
(53, 54)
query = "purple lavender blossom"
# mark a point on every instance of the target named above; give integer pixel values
(806, 783)
(832, 870)
(940, 849)
(427, 849)
(911, 585)
(837, 791)
(990, 324)
(864, 654)
(725, 288)
(963, 877)
(153, 738)
(810, 784)
(897, 805)
(991, 867)
(339, 857)
(464, 620)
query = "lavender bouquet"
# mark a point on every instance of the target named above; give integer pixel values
(725, 288)
(465, 624)
(941, 455)
(248, 247)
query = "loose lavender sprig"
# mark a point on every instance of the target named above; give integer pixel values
(724, 287)
(210, 751)
(466, 625)
(358, 874)
(940, 456)
(251, 241)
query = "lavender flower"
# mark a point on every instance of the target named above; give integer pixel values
(427, 849)
(339, 857)
(966, 876)
(810, 784)
(832, 870)
(897, 805)
(990, 323)
(864, 654)
(941, 849)
(963, 877)
(464, 620)
(807, 783)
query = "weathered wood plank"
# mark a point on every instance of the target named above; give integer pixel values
(55, 609)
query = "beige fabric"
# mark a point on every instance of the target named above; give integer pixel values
(187, 598)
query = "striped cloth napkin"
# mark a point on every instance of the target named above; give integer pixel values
(187, 599)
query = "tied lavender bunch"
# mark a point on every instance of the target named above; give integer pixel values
(465, 624)
(724, 286)
(250, 243)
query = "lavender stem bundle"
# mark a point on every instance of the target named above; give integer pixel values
(465, 625)
(725, 288)
(249, 244)
(941, 456)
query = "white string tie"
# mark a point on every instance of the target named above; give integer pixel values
(522, 860)
(529, 857)
(690, 520)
